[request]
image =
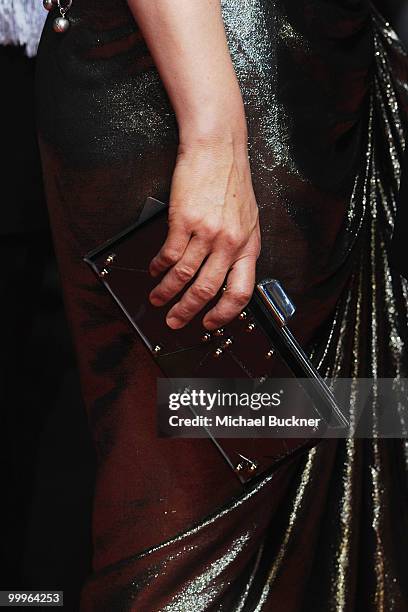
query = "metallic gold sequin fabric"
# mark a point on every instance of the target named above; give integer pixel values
(326, 97)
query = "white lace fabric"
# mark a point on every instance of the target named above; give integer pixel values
(21, 23)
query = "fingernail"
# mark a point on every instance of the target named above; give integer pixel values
(208, 324)
(174, 323)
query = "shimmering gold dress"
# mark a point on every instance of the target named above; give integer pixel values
(325, 89)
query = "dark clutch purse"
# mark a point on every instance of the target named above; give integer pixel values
(246, 347)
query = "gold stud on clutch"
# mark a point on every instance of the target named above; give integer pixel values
(108, 261)
(246, 465)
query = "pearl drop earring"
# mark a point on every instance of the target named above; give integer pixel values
(49, 4)
(61, 23)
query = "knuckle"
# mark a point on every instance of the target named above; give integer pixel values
(210, 229)
(163, 291)
(191, 219)
(203, 291)
(240, 296)
(231, 239)
(183, 216)
(183, 312)
(169, 256)
(183, 273)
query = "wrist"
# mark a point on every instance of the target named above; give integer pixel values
(225, 124)
(214, 136)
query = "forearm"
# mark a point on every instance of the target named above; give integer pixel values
(187, 41)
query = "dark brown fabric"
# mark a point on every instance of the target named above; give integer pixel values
(173, 529)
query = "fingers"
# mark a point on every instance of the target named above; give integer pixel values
(172, 250)
(207, 284)
(181, 273)
(240, 286)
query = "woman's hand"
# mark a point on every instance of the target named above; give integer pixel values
(213, 229)
(213, 222)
